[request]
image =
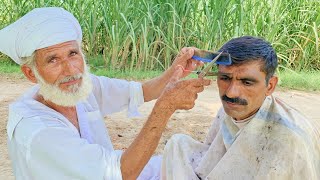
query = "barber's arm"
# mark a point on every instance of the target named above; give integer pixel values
(153, 88)
(175, 95)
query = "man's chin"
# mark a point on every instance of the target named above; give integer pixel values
(236, 114)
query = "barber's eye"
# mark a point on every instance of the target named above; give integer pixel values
(52, 60)
(73, 53)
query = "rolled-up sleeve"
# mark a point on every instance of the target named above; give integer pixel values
(114, 95)
(58, 153)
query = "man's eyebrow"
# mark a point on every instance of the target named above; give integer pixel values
(224, 74)
(242, 79)
(248, 79)
(74, 49)
(50, 56)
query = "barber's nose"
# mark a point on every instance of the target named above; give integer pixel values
(233, 90)
(69, 67)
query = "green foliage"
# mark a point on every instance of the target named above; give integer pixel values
(146, 35)
(9, 66)
(300, 80)
(97, 67)
(288, 79)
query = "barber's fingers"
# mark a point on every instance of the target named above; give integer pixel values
(188, 106)
(197, 63)
(190, 100)
(186, 49)
(178, 73)
(186, 53)
(199, 82)
(193, 64)
(198, 89)
(205, 82)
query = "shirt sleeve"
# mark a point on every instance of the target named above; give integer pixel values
(58, 153)
(114, 95)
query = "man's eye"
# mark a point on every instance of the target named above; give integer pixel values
(224, 78)
(247, 83)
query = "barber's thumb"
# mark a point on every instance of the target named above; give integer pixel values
(188, 54)
(177, 74)
(206, 82)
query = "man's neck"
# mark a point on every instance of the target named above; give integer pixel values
(68, 112)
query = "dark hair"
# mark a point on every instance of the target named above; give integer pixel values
(248, 48)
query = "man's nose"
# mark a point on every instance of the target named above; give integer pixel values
(233, 90)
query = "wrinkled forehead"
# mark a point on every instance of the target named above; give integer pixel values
(61, 46)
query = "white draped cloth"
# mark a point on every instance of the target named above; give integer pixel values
(43, 144)
(277, 143)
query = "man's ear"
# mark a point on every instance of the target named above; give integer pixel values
(273, 81)
(27, 71)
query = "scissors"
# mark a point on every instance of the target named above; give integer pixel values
(205, 71)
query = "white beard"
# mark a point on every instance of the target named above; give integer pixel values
(77, 93)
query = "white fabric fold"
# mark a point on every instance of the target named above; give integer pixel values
(136, 99)
(84, 126)
(113, 172)
(278, 143)
(42, 141)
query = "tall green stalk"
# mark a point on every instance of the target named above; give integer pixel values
(148, 34)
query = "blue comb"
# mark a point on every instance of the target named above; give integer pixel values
(208, 56)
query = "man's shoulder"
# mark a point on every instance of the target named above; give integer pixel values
(29, 116)
(274, 108)
(288, 118)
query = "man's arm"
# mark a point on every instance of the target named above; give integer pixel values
(176, 95)
(153, 88)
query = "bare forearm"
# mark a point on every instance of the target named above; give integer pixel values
(153, 88)
(138, 154)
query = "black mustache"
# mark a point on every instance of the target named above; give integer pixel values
(234, 100)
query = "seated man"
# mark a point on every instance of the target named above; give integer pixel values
(255, 135)
(56, 130)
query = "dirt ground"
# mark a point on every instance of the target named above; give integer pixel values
(122, 130)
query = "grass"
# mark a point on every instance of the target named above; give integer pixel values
(97, 67)
(133, 75)
(9, 67)
(145, 35)
(140, 38)
(307, 81)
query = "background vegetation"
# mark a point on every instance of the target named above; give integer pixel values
(145, 35)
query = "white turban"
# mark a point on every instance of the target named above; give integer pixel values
(40, 28)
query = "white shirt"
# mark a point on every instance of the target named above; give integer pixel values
(43, 144)
(241, 123)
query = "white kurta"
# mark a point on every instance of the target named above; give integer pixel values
(43, 144)
(277, 143)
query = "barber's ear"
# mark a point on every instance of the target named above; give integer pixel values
(27, 71)
(273, 81)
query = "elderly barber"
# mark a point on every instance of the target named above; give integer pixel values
(56, 129)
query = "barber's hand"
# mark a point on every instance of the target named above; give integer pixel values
(184, 59)
(181, 94)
